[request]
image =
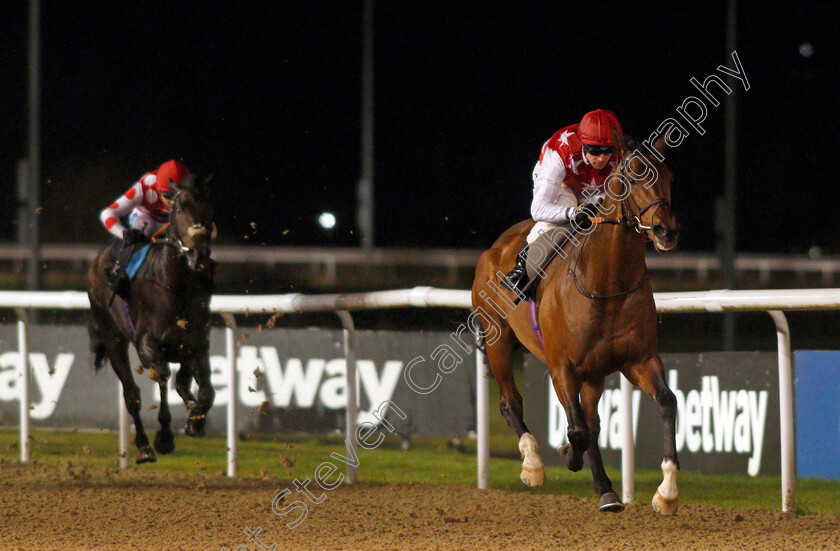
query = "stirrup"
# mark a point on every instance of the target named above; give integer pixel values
(119, 282)
(515, 281)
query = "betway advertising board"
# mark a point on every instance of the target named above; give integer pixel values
(289, 380)
(727, 418)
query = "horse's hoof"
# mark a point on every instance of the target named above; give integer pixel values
(567, 454)
(609, 503)
(164, 442)
(664, 506)
(192, 430)
(145, 455)
(532, 477)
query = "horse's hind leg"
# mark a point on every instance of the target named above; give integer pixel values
(500, 355)
(608, 501)
(98, 346)
(650, 377)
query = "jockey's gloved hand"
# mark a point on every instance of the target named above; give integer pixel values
(581, 217)
(133, 236)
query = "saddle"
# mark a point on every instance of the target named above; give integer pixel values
(548, 243)
(120, 283)
(138, 256)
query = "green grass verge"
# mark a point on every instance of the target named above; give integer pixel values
(429, 461)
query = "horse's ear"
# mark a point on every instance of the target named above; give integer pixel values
(188, 183)
(660, 144)
(620, 143)
(206, 184)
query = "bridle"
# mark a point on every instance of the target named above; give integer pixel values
(627, 220)
(172, 239)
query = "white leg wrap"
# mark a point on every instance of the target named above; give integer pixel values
(533, 471)
(668, 488)
(665, 499)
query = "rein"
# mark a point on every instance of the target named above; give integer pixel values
(172, 241)
(592, 296)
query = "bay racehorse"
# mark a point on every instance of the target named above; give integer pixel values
(166, 317)
(596, 314)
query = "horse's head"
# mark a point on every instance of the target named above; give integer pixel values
(642, 185)
(191, 219)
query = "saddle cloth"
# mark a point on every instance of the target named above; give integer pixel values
(137, 260)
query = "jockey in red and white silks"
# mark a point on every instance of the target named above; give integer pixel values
(573, 169)
(566, 175)
(147, 202)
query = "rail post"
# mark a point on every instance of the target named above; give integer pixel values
(233, 384)
(352, 390)
(23, 350)
(628, 447)
(123, 422)
(788, 466)
(482, 407)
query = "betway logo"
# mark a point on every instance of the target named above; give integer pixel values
(298, 383)
(48, 381)
(710, 420)
(721, 420)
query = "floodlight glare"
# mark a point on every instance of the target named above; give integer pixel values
(327, 220)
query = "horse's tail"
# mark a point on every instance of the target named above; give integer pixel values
(97, 345)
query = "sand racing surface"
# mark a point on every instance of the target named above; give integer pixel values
(68, 506)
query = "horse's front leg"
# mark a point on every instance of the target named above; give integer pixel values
(608, 500)
(164, 438)
(199, 368)
(650, 377)
(149, 351)
(567, 387)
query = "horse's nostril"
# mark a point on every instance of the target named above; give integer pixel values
(660, 231)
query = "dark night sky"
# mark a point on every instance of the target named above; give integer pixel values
(266, 96)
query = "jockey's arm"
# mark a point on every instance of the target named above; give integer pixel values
(121, 207)
(553, 200)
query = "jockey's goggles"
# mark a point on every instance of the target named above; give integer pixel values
(598, 149)
(168, 194)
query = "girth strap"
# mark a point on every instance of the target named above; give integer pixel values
(533, 312)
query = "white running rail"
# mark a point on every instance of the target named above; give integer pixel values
(771, 301)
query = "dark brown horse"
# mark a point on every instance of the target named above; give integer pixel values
(167, 317)
(597, 315)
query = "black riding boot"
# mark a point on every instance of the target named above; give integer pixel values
(118, 278)
(517, 278)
